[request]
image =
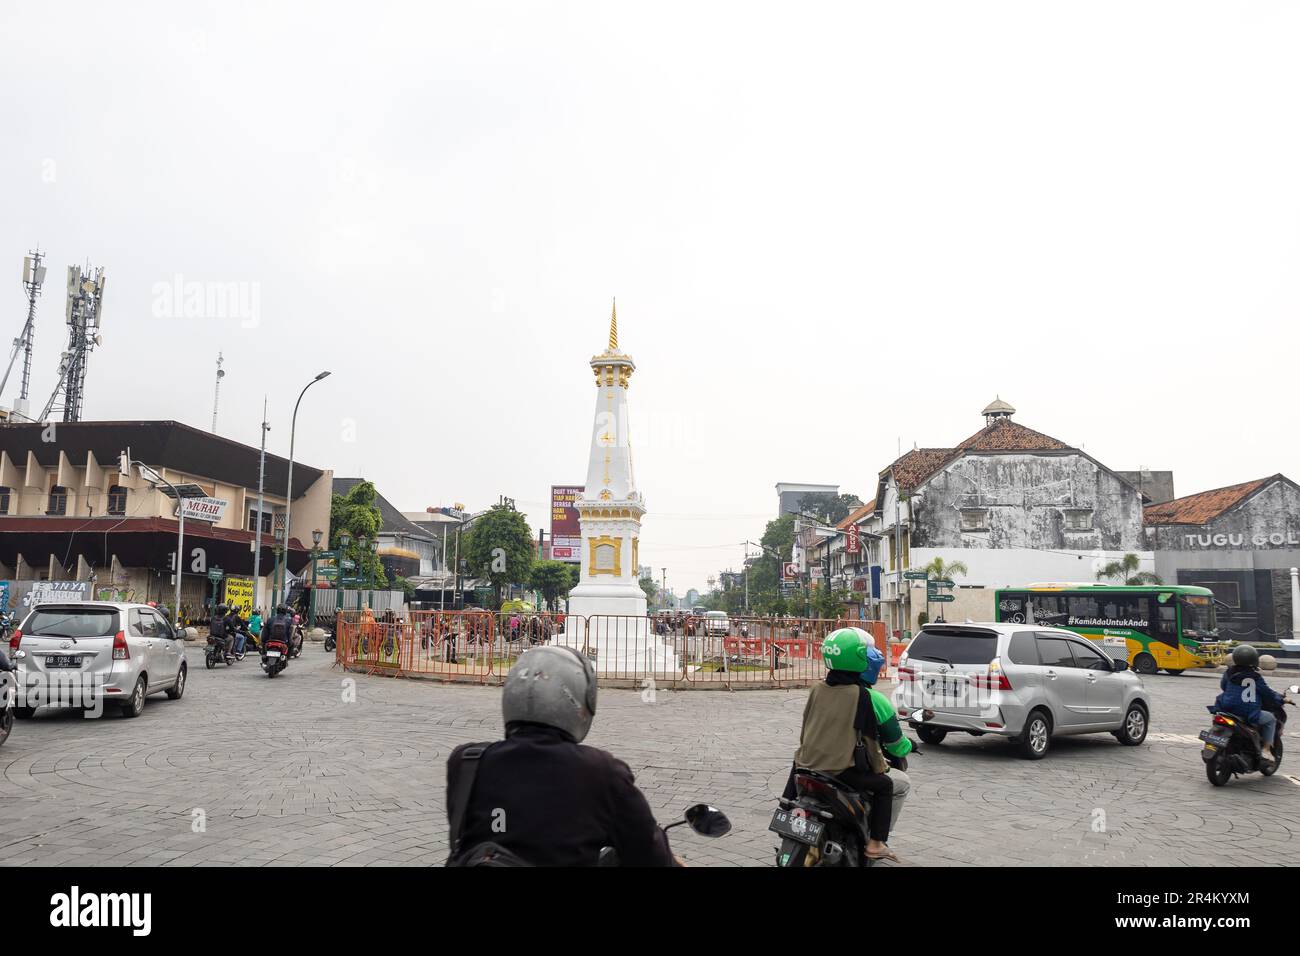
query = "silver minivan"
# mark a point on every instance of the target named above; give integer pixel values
(95, 653)
(1018, 681)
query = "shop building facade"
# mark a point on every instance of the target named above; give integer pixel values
(1240, 542)
(67, 514)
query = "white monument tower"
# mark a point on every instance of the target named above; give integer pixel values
(608, 608)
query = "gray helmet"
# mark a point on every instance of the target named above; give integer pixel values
(1267, 662)
(551, 685)
(1245, 655)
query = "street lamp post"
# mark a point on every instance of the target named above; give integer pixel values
(288, 493)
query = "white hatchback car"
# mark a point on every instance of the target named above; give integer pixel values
(91, 653)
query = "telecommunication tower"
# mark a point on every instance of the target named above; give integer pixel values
(33, 279)
(85, 308)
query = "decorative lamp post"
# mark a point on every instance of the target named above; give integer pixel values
(311, 598)
(345, 539)
(363, 548)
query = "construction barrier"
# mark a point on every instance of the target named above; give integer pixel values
(481, 646)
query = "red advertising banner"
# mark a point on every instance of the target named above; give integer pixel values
(566, 528)
(851, 545)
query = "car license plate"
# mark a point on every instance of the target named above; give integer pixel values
(803, 829)
(63, 660)
(272, 653)
(1210, 737)
(945, 686)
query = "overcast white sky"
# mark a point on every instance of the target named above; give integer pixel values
(829, 228)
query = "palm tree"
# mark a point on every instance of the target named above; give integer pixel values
(1127, 571)
(940, 570)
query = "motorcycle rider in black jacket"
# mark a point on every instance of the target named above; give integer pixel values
(539, 794)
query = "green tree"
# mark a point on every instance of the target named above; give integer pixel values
(554, 579)
(833, 507)
(651, 590)
(357, 513)
(1126, 571)
(941, 570)
(829, 603)
(500, 549)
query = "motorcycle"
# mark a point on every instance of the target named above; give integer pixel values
(216, 653)
(330, 642)
(277, 657)
(826, 822)
(9, 690)
(1233, 747)
(703, 819)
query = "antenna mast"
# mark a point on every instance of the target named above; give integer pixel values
(33, 279)
(85, 311)
(216, 394)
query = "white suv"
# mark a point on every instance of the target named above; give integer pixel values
(92, 653)
(1019, 681)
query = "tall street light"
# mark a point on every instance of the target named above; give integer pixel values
(288, 494)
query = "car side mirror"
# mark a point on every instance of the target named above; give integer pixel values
(1119, 664)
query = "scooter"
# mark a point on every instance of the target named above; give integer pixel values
(1232, 746)
(826, 822)
(277, 658)
(703, 819)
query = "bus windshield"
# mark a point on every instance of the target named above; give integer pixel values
(1198, 617)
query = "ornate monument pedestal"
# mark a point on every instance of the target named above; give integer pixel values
(607, 610)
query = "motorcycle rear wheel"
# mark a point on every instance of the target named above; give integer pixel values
(1218, 770)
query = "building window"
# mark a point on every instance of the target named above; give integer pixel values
(117, 500)
(4, 500)
(974, 519)
(1226, 591)
(1078, 519)
(58, 501)
(252, 521)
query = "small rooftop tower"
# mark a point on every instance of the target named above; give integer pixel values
(995, 410)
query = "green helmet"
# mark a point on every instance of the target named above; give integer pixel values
(846, 650)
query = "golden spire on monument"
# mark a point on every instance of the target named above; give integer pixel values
(613, 367)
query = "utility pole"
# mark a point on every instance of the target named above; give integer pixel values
(898, 546)
(664, 587)
(257, 530)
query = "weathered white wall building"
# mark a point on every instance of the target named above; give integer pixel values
(1012, 504)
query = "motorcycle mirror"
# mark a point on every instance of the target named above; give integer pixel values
(708, 821)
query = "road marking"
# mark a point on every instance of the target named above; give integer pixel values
(1175, 738)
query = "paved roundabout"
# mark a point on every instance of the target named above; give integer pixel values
(332, 768)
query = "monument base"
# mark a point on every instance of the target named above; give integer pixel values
(613, 625)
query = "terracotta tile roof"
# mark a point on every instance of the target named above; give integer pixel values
(858, 514)
(1203, 507)
(1005, 435)
(919, 464)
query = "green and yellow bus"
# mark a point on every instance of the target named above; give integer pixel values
(1165, 627)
